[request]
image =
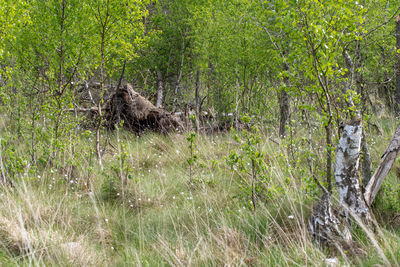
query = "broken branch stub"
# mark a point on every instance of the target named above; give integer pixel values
(388, 158)
(347, 172)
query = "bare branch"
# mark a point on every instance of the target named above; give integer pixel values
(388, 158)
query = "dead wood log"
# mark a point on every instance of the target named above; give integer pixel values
(138, 113)
(387, 160)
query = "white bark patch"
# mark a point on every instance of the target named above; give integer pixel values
(326, 228)
(347, 172)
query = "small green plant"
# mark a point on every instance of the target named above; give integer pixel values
(123, 169)
(14, 162)
(109, 188)
(249, 165)
(389, 197)
(191, 138)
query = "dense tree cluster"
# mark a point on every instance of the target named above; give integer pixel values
(225, 56)
(287, 66)
(282, 62)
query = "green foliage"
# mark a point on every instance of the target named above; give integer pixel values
(191, 138)
(123, 167)
(247, 162)
(109, 188)
(220, 58)
(14, 162)
(389, 197)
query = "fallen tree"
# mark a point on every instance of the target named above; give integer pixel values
(135, 112)
(387, 160)
(138, 113)
(329, 228)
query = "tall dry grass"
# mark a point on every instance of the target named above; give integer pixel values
(151, 215)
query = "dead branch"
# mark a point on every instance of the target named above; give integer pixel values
(387, 160)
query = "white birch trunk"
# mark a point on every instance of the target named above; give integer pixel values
(347, 172)
(160, 89)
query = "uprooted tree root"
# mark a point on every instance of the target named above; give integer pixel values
(136, 113)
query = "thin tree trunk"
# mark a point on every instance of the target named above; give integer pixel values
(366, 157)
(98, 128)
(356, 75)
(61, 47)
(60, 78)
(236, 118)
(211, 81)
(360, 78)
(284, 112)
(178, 82)
(98, 150)
(243, 95)
(328, 132)
(118, 87)
(197, 90)
(284, 105)
(397, 101)
(160, 89)
(187, 119)
(2, 169)
(197, 101)
(253, 185)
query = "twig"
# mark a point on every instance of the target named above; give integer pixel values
(2, 171)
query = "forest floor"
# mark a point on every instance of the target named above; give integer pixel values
(143, 208)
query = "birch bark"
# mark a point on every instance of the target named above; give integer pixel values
(347, 172)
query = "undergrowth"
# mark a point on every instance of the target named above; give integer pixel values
(151, 205)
